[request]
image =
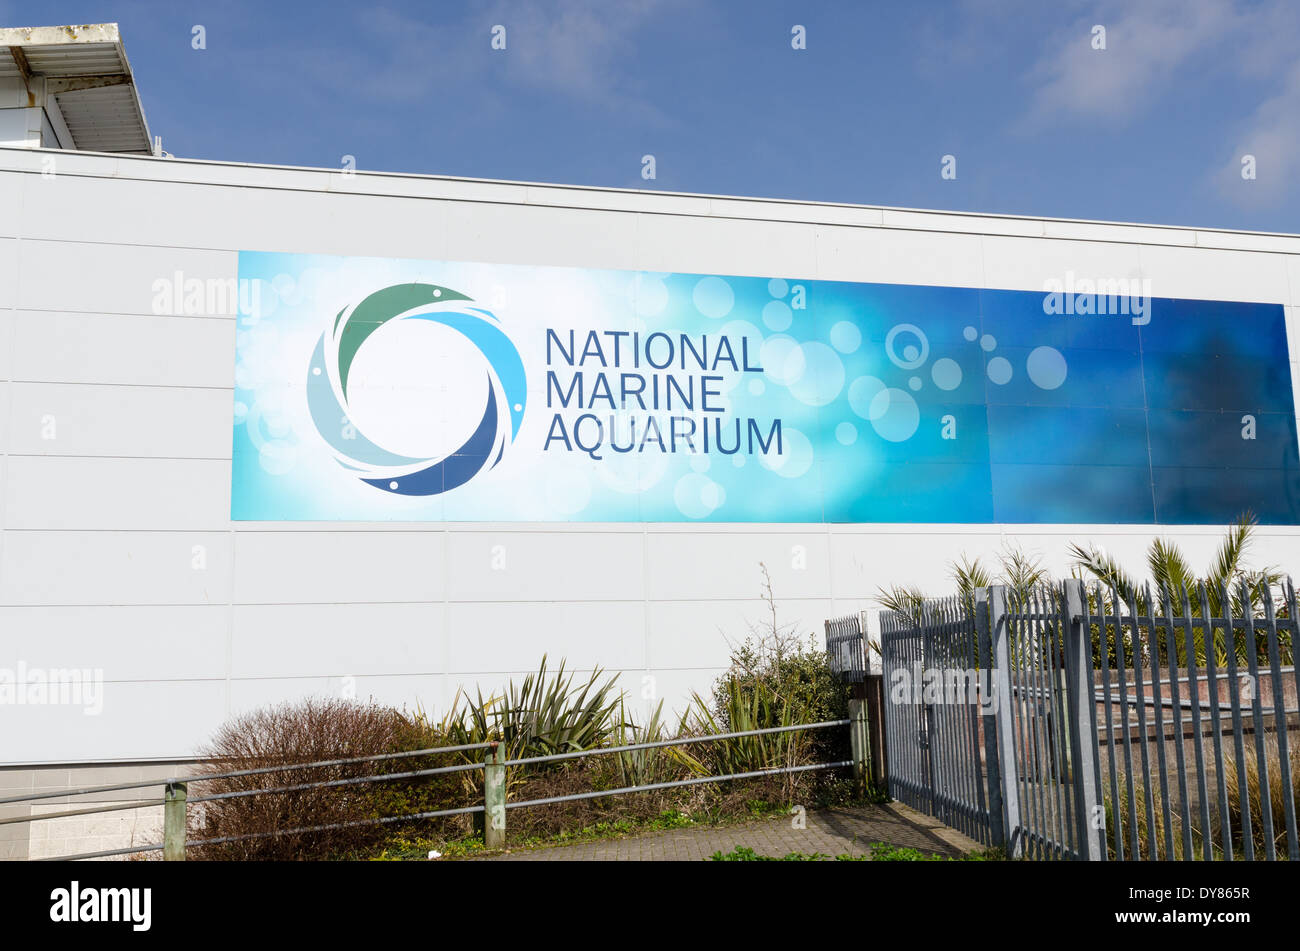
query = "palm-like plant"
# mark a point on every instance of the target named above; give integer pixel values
(969, 575)
(902, 600)
(1022, 572)
(1019, 570)
(1229, 586)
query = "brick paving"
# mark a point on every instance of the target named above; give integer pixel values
(849, 830)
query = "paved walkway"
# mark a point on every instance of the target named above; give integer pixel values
(830, 832)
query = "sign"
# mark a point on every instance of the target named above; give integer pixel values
(376, 389)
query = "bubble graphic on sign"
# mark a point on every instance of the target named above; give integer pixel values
(777, 287)
(846, 337)
(946, 373)
(1046, 367)
(713, 297)
(628, 472)
(285, 287)
(783, 359)
(649, 294)
(846, 433)
(989, 343)
(277, 450)
(914, 352)
(777, 316)
(894, 414)
(822, 378)
(697, 496)
(970, 333)
(795, 458)
(861, 392)
(999, 370)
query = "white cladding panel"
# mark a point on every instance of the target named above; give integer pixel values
(116, 548)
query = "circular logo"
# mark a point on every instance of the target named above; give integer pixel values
(504, 392)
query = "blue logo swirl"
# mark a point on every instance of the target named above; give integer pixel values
(331, 366)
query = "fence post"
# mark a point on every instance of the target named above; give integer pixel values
(858, 739)
(1082, 711)
(494, 798)
(999, 628)
(174, 822)
(872, 695)
(988, 716)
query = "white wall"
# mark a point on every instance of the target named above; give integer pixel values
(20, 128)
(99, 527)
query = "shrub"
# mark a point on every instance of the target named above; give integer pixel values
(775, 678)
(548, 712)
(771, 685)
(308, 731)
(402, 797)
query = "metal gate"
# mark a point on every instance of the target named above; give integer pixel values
(935, 734)
(990, 717)
(1064, 722)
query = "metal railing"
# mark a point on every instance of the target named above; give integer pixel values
(176, 800)
(1104, 725)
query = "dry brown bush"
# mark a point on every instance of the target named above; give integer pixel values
(307, 731)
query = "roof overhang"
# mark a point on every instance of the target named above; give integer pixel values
(84, 70)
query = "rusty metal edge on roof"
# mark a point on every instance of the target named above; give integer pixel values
(79, 46)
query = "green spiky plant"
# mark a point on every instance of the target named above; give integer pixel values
(642, 767)
(545, 713)
(1174, 577)
(745, 707)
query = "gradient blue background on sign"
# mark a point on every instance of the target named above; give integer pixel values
(1056, 418)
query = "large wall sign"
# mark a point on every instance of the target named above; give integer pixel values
(373, 389)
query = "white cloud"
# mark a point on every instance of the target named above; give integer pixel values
(578, 48)
(1147, 45)
(1272, 135)
(1153, 46)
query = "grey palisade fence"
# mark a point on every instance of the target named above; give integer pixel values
(1082, 722)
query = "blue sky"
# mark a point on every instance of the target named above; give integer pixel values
(1150, 129)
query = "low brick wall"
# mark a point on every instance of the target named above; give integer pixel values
(48, 838)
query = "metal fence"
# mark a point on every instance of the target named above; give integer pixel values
(1081, 722)
(176, 800)
(935, 761)
(846, 649)
(848, 655)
